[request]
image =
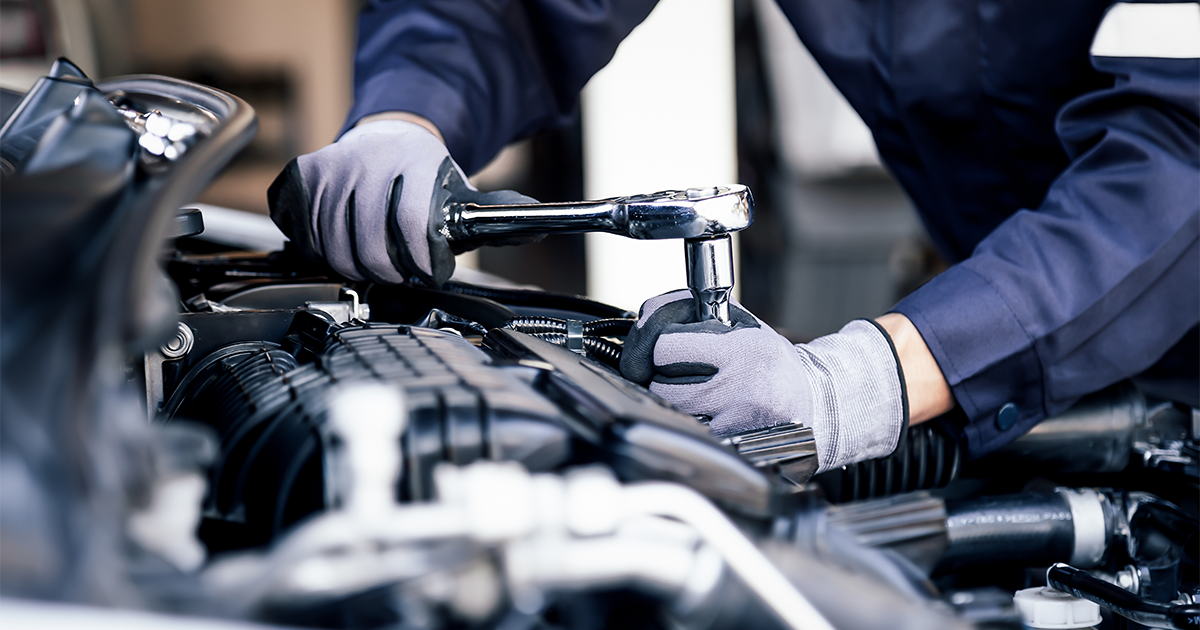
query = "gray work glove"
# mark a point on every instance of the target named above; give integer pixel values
(847, 386)
(370, 204)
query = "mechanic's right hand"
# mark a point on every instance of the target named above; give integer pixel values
(370, 204)
(846, 386)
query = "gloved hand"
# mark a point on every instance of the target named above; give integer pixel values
(370, 204)
(847, 386)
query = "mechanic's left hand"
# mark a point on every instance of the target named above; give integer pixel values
(371, 205)
(846, 386)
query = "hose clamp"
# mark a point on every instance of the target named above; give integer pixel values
(575, 336)
(1091, 531)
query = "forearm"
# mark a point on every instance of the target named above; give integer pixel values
(1095, 284)
(929, 394)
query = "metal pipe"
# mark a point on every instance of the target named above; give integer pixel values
(746, 560)
(1095, 435)
(791, 449)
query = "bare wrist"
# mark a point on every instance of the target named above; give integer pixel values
(929, 394)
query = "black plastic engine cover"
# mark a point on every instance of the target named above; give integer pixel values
(269, 410)
(639, 435)
(516, 399)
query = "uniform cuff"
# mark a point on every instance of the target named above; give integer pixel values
(418, 93)
(988, 359)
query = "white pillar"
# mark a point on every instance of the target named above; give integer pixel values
(659, 116)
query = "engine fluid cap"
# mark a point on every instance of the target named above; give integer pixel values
(1046, 608)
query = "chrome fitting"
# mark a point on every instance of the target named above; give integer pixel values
(180, 344)
(790, 448)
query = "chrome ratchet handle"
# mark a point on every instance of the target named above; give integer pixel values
(691, 213)
(703, 217)
(469, 220)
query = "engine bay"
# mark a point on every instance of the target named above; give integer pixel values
(321, 453)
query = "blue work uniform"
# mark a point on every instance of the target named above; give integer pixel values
(1063, 185)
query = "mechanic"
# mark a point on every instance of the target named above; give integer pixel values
(1051, 148)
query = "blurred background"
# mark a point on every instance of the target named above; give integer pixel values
(704, 92)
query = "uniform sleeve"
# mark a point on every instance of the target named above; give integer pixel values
(1101, 280)
(486, 72)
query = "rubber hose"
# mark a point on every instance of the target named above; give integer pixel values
(603, 350)
(1086, 586)
(1022, 529)
(533, 325)
(613, 327)
(927, 457)
(596, 348)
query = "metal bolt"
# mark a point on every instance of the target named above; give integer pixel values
(152, 143)
(180, 344)
(181, 131)
(158, 124)
(173, 151)
(1128, 579)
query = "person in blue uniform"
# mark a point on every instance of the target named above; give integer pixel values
(1052, 150)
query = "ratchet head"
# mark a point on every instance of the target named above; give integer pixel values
(691, 213)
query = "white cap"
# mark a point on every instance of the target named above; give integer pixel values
(1046, 608)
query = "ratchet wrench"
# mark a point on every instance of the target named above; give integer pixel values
(703, 217)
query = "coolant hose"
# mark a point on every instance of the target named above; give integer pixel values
(1025, 529)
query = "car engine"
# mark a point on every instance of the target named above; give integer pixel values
(222, 434)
